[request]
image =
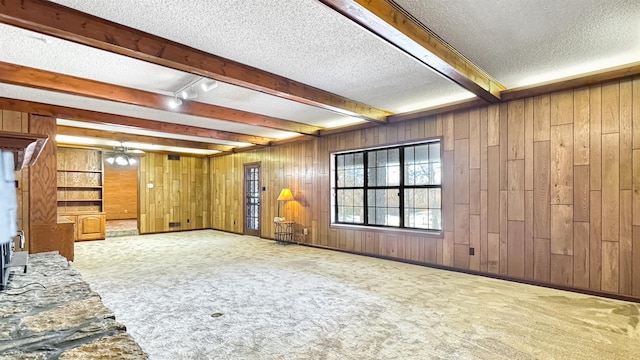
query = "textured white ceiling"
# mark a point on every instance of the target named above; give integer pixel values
(300, 39)
(50, 97)
(48, 53)
(517, 42)
(524, 42)
(43, 52)
(236, 97)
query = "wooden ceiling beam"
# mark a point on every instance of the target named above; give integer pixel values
(69, 24)
(392, 23)
(131, 122)
(41, 79)
(593, 78)
(119, 136)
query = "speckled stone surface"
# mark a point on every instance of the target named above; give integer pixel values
(51, 313)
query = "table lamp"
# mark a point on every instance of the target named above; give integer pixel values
(285, 195)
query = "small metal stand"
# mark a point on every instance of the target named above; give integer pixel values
(20, 259)
(284, 232)
(11, 258)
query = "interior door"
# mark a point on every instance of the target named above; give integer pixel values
(252, 199)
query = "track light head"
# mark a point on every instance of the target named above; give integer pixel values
(174, 103)
(208, 85)
(188, 93)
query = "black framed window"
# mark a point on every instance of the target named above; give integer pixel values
(399, 186)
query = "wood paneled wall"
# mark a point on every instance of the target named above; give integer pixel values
(545, 189)
(43, 212)
(180, 193)
(37, 193)
(19, 122)
(120, 192)
(293, 166)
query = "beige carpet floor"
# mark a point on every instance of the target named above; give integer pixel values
(293, 302)
(115, 228)
(121, 225)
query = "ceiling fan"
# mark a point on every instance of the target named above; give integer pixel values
(123, 156)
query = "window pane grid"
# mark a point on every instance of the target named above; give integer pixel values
(422, 165)
(402, 187)
(422, 208)
(383, 167)
(349, 203)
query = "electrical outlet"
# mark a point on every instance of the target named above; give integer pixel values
(472, 251)
(305, 231)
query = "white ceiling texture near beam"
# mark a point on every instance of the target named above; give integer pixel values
(301, 40)
(527, 42)
(516, 42)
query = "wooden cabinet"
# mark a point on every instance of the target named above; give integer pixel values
(80, 191)
(88, 226)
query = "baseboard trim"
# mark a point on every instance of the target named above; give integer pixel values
(487, 275)
(463, 271)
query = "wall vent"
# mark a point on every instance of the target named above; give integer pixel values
(174, 224)
(174, 157)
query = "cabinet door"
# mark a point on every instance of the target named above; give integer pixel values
(90, 227)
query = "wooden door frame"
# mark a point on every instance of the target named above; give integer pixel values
(139, 194)
(257, 164)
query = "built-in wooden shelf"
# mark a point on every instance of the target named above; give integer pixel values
(82, 171)
(75, 213)
(25, 147)
(80, 191)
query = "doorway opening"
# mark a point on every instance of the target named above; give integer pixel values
(121, 199)
(252, 208)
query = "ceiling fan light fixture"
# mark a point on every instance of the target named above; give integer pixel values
(121, 160)
(121, 156)
(208, 85)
